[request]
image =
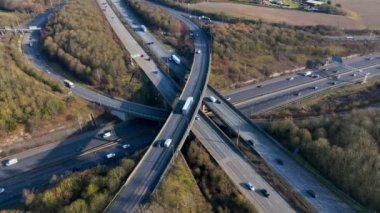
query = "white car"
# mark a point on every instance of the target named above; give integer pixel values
(198, 51)
(126, 146)
(212, 99)
(197, 118)
(110, 155)
(2, 190)
(291, 79)
(250, 186)
(107, 134)
(228, 98)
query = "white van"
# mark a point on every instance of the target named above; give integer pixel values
(167, 143)
(11, 162)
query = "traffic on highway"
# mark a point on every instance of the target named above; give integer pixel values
(190, 105)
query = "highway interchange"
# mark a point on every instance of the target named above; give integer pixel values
(257, 94)
(208, 133)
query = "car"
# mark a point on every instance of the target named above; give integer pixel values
(2, 190)
(228, 98)
(198, 51)
(325, 69)
(107, 134)
(264, 192)
(250, 142)
(315, 88)
(334, 83)
(126, 146)
(259, 86)
(298, 94)
(250, 186)
(155, 72)
(311, 193)
(315, 76)
(197, 118)
(354, 74)
(369, 58)
(150, 43)
(110, 155)
(279, 161)
(148, 59)
(212, 99)
(290, 78)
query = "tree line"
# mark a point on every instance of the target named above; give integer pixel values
(86, 191)
(27, 96)
(26, 5)
(81, 40)
(345, 149)
(242, 51)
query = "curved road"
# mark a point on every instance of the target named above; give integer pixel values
(128, 107)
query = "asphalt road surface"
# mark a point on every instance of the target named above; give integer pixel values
(36, 167)
(216, 140)
(281, 98)
(297, 176)
(155, 162)
(246, 95)
(239, 171)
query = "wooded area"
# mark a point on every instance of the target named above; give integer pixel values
(81, 40)
(27, 96)
(256, 51)
(26, 5)
(86, 191)
(345, 149)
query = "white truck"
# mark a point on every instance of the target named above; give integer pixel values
(68, 83)
(307, 73)
(186, 107)
(176, 59)
(167, 143)
(143, 28)
(33, 28)
(11, 162)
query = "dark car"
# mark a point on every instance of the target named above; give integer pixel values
(311, 193)
(150, 43)
(259, 86)
(250, 142)
(279, 161)
(265, 193)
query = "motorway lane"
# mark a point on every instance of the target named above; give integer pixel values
(163, 85)
(281, 83)
(35, 57)
(38, 178)
(238, 170)
(155, 162)
(279, 99)
(269, 149)
(209, 129)
(71, 147)
(157, 48)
